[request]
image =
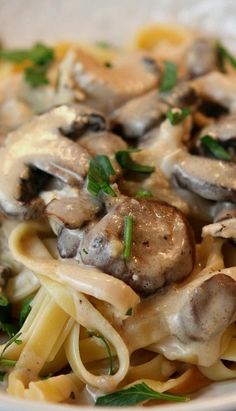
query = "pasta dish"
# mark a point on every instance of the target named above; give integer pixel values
(117, 197)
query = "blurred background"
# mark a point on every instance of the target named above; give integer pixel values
(24, 21)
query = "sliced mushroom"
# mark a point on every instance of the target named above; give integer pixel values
(107, 88)
(138, 115)
(73, 212)
(211, 179)
(223, 130)
(68, 242)
(87, 119)
(223, 229)
(162, 249)
(188, 321)
(201, 57)
(141, 114)
(105, 143)
(40, 144)
(217, 87)
(210, 308)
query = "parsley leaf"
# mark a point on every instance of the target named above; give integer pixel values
(100, 170)
(223, 56)
(103, 339)
(169, 77)
(38, 54)
(215, 148)
(15, 55)
(126, 162)
(142, 193)
(36, 75)
(3, 301)
(41, 54)
(25, 310)
(128, 236)
(137, 393)
(129, 311)
(5, 361)
(177, 115)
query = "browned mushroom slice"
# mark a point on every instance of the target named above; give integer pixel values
(73, 212)
(217, 87)
(138, 115)
(223, 130)
(105, 143)
(107, 88)
(210, 308)
(87, 119)
(68, 242)
(211, 179)
(223, 229)
(201, 57)
(188, 321)
(141, 114)
(162, 248)
(40, 144)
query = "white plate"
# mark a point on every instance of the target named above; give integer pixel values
(25, 21)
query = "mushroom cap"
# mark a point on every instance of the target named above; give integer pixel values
(162, 250)
(211, 179)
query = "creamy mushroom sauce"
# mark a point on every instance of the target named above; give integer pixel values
(127, 159)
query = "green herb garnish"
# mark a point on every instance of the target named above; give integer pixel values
(5, 317)
(103, 339)
(40, 55)
(126, 162)
(9, 328)
(142, 193)
(223, 56)
(215, 148)
(100, 170)
(169, 77)
(129, 311)
(5, 361)
(135, 394)
(128, 236)
(25, 310)
(3, 301)
(36, 76)
(85, 251)
(177, 115)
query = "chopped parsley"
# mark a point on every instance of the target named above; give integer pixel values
(169, 77)
(39, 55)
(3, 301)
(5, 361)
(142, 193)
(223, 56)
(103, 339)
(25, 310)
(177, 115)
(215, 148)
(36, 75)
(129, 311)
(100, 170)
(6, 324)
(128, 236)
(135, 394)
(126, 162)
